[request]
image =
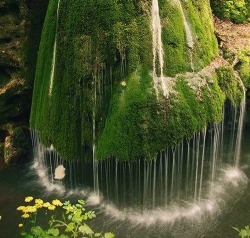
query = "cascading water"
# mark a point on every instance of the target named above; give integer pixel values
(52, 73)
(192, 178)
(240, 129)
(189, 37)
(158, 52)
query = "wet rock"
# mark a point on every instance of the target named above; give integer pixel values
(2, 163)
(16, 146)
(14, 98)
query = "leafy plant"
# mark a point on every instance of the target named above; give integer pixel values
(243, 232)
(64, 220)
(237, 11)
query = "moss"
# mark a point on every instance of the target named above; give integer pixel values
(230, 85)
(98, 44)
(244, 67)
(101, 44)
(201, 20)
(133, 128)
(176, 57)
(188, 114)
(137, 126)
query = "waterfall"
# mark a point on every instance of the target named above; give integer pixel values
(158, 52)
(187, 179)
(95, 163)
(240, 129)
(52, 72)
(188, 32)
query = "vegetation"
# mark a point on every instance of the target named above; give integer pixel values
(237, 11)
(62, 220)
(243, 233)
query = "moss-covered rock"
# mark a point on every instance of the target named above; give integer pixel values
(243, 66)
(134, 126)
(94, 83)
(230, 84)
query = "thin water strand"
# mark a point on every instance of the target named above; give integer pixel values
(52, 72)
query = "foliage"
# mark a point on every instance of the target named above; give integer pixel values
(243, 233)
(237, 11)
(63, 220)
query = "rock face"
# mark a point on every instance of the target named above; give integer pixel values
(16, 74)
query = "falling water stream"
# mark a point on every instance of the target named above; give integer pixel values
(188, 32)
(192, 175)
(52, 72)
(158, 52)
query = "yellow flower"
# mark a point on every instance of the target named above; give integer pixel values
(51, 207)
(56, 202)
(20, 208)
(20, 225)
(25, 215)
(46, 204)
(38, 206)
(28, 199)
(31, 209)
(39, 201)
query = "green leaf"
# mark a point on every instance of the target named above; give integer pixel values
(81, 202)
(23, 233)
(237, 229)
(243, 233)
(29, 236)
(53, 231)
(85, 229)
(109, 235)
(63, 236)
(36, 230)
(98, 234)
(70, 227)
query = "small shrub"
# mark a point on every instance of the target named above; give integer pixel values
(64, 220)
(243, 232)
